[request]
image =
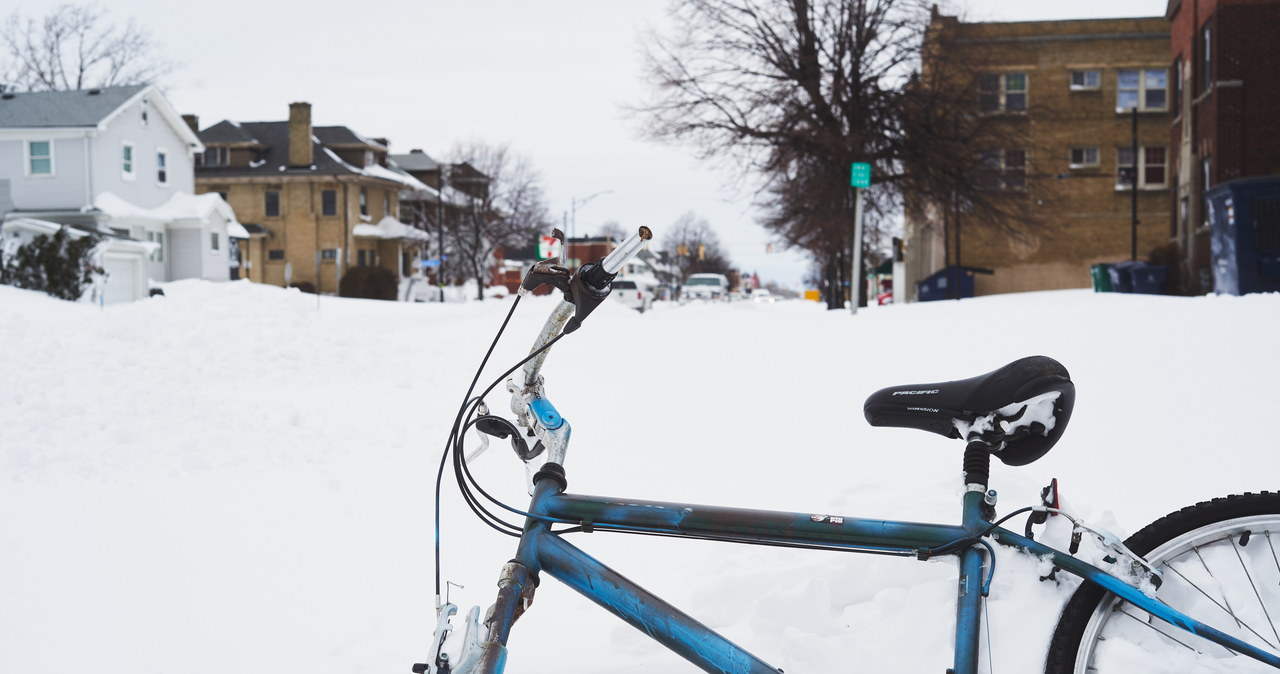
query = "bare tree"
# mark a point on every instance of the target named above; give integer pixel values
(78, 47)
(504, 205)
(694, 247)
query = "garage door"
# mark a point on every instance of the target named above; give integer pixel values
(123, 278)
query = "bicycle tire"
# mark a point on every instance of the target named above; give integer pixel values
(1220, 566)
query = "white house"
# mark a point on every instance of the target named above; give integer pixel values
(117, 160)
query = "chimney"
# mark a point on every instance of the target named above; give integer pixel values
(300, 135)
(193, 122)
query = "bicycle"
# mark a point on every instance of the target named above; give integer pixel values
(1194, 589)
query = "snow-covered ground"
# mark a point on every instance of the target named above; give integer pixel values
(233, 478)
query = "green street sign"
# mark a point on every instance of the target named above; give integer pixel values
(860, 176)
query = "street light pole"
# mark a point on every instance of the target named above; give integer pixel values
(574, 203)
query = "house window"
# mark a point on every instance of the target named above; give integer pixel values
(1151, 171)
(126, 161)
(364, 201)
(213, 241)
(1085, 80)
(40, 158)
(1142, 89)
(329, 254)
(157, 255)
(1002, 92)
(162, 167)
(386, 205)
(214, 156)
(1206, 57)
(328, 202)
(1003, 169)
(1082, 157)
(368, 258)
(271, 205)
(275, 254)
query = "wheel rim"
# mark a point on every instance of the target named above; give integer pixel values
(1211, 576)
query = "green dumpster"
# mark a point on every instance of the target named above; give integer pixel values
(1101, 278)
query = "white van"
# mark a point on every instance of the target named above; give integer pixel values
(705, 287)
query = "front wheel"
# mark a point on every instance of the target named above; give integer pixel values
(1220, 567)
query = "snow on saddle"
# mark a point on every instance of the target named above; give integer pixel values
(1019, 411)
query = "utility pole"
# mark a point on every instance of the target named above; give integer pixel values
(1133, 245)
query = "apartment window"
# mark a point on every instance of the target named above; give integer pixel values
(271, 203)
(1002, 92)
(214, 156)
(329, 254)
(40, 158)
(328, 202)
(1206, 57)
(1152, 169)
(1085, 80)
(1082, 157)
(1142, 89)
(275, 254)
(1003, 169)
(162, 167)
(214, 244)
(126, 161)
(364, 201)
(157, 238)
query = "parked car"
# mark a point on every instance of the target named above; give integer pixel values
(762, 296)
(705, 287)
(635, 294)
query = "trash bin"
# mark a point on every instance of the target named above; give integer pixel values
(1149, 279)
(1122, 277)
(1101, 278)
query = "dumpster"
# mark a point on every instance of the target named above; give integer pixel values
(939, 285)
(1245, 217)
(1149, 279)
(1121, 274)
(1101, 274)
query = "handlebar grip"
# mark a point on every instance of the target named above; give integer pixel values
(627, 250)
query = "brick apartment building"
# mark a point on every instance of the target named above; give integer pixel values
(1226, 107)
(1062, 94)
(317, 200)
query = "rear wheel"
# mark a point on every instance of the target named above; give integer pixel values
(1220, 566)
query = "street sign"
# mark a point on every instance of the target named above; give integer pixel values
(860, 175)
(429, 263)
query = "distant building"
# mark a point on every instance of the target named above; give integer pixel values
(316, 200)
(1065, 92)
(116, 161)
(1226, 106)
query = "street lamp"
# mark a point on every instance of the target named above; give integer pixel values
(574, 204)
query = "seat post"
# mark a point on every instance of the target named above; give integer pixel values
(977, 471)
(977, 465)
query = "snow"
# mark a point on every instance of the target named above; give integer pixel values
(389, 228)
(180, 206)
(238, 478)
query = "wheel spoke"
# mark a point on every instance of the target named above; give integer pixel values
(1229, 610)
(1157, 630)
(1236, 548)
(1273, 551)
(1225, 609)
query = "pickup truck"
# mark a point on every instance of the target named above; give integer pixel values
(705, 287)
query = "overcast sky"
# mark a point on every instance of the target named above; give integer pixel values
(547, 77)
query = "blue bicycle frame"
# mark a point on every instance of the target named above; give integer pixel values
(542, 550)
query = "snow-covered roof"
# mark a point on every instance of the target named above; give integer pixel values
(388, 228)
(180, 207)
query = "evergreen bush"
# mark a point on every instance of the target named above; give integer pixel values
(58, 265)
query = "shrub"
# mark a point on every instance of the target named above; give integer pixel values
(304, 286)
(372, 283)
(58, 265)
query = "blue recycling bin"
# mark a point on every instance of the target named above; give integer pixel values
(1122, 276)
(1149, 279)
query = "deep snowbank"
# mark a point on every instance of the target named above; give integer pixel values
(238, 478)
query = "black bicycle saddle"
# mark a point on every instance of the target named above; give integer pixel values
(1008, 409)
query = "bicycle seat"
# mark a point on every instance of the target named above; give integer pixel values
(1019, 410)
